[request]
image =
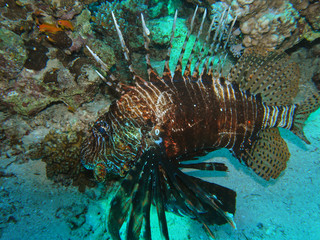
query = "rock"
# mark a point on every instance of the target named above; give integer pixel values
(74, 215)
(12, 55)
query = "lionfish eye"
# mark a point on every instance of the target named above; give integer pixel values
(102, 127)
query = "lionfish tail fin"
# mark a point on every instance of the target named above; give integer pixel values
(303, 111)
(274, 80)
(271, 76)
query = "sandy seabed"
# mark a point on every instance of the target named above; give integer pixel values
(33, 207)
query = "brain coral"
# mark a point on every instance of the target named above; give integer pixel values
(264, 23)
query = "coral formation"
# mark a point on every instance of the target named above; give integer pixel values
(269, 28)
(37, 55)
(310, 10)
(265, 24)
(34, 91)
(49, 52)
(60, 151)
(13, 54)
(50, 92)
(103, 19)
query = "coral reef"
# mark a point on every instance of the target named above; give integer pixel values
(50, 92)
(103, 19)
(13, 54)
(264, 23)
(44, 69)
(310, 10)
(271, 24)
(47, 63)
(34, 91)
(60, 151)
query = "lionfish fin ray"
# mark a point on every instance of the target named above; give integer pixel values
(187, 70)
(208, 68)
(196, 71)
(141, 200)
(167, 76)
(125, 50)
(177, 75)
(120, 205)
(207, 202)
(153, 76)
(159, 201)
(154, 157)
(207, 166)
(110, 79)
(186, 202)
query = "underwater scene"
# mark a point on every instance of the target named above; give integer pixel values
(150, 119)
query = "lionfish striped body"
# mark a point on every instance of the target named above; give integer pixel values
(157, 125)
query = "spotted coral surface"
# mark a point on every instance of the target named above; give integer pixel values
(60, 151)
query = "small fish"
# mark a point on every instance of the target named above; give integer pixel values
(65, 25)
(49, 28)
(158, 124)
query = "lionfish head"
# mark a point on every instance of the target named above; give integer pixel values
(109, 151)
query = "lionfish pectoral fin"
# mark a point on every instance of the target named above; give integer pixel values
(206, 202)
(141, 186)
(154, 158)
(141, 202)
(268, 155)
(133, 200)
(207, 166)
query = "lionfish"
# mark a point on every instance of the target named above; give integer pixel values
(157, 125)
